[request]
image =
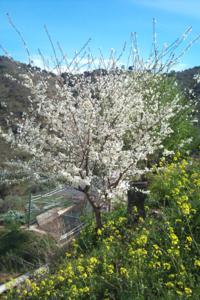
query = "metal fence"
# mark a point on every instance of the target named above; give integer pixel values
(69, 205)
(57, 212)
(38, 204)
(61, 197)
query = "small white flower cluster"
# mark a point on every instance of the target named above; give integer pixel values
(10, 77)
(197, 78)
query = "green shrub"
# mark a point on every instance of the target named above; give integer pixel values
(21, 250)
(13, 218)
(12, 203)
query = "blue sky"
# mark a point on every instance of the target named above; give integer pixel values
(108, 22)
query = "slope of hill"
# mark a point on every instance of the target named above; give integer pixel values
(187, 81)
(14, 97)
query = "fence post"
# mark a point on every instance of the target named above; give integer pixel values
(136, 198)
(29, 210)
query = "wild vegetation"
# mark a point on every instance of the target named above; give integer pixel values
(102, 131)
(156, 258)
(22, 251)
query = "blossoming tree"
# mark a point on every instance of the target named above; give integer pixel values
(80, 132)
(94, 129)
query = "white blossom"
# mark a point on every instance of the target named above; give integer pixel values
(95, 131)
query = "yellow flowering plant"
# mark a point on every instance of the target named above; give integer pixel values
(156, 258)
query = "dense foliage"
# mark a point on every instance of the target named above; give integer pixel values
(22, 250)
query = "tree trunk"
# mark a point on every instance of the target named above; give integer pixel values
(136, 199)
(109, 205)
(97, 211)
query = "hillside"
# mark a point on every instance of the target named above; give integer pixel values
(186, 81)
(14, 97)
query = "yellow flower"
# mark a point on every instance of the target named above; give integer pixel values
(185, 207)
(131, 252)
(182, 267)
(173, 251)
(60, 278)
(176, 191)
(178, 220)
(33, 286)
(84, 275)
(184, 163)
(107, 247)
(197, 182)
(197, 263)
(123, 271)
(110, 269)
(193, 210)
(169, 284)
(68, 254)
(80, 268)
(135, 209)
(184, 198)
(179, 293)
(122, 219)
(156, 265)
(142, 240)
(156, 247)
(174, 238)
(141, 252)
(180, 284)
(43, 283)
(195, 175)
(166, 266)
(187, 291)
(189, 239)
(51, 282)
(93, 260)
(27, 281)
(74, 290)
(176, 252)
(86, 289)
(111, 238)
(141, 220)
(179, 183)
(99, 231)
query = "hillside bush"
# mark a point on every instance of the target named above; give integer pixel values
(21, 250)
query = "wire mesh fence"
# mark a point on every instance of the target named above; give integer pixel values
(38, 204)
(56, 212)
